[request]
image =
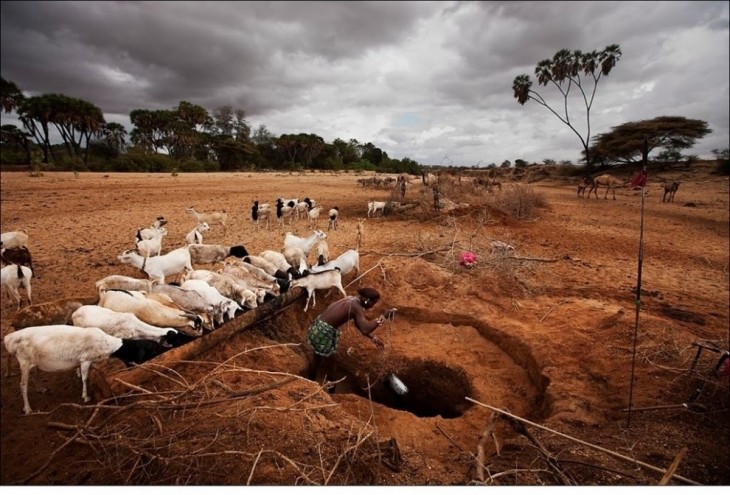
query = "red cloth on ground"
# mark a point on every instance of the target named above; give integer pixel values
(639, 179)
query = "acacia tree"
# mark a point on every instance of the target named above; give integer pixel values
(16, 139)
(10, 99)
(10, 96)
(623, 144)
(564, 72)
(229, 138)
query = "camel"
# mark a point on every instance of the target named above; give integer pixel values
(669, 189)
(584, 184)
(610, 182)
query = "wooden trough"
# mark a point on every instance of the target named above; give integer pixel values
(110, 377)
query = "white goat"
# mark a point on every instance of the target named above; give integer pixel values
(323, 252)
(301, 209)
(15, 277)
(260, 212)
(304, 243)
(252, 269)
(296, 258)
(122, 325)
(314, 217)
(346, 262)
(212, 253)
(211, 218)
(48, 313)
(122, 282)
(267, 266)
(375, 206)
(228, 307)
(291, 202)
(279, 261)
(18, 238)
(150, 232)
(195, 236)
(151, 311)
(322, 280)
(250, 281)
(158, 267)
(284, 211)
(188, 300)
(65, 347)
(334, 214)
(227, 287)
(152, 246)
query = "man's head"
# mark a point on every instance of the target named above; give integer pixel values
(368, 296)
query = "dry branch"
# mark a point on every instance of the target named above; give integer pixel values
(601, 449)
(488, 432)
(673, 466)
(418, 254)
(551, 310)
(518, 258)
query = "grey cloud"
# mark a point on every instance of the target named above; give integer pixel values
(341, 67)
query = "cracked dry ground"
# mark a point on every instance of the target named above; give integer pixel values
(549, 338)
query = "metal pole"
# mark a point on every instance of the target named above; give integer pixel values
(644, 160)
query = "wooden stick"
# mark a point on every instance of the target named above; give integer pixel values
(482, 444)
(673, 466)
(530, 259)
(449, 437)
(551, 310)
(419, 254)
(255, 390)
(550, 459)
(363, 274)
(605, 451)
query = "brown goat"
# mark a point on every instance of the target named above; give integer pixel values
(17, 256)
(56, 312)
(669, 189)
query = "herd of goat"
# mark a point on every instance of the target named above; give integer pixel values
(136, 319)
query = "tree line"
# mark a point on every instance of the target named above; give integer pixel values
(184, 138)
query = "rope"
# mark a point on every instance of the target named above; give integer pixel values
(645, 153)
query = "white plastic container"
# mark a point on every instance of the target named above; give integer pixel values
(396, 384)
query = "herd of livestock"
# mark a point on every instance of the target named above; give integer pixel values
(136, 319)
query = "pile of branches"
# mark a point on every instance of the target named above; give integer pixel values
(268, 428)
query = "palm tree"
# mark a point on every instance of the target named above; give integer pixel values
(114, 136)
(35, 114)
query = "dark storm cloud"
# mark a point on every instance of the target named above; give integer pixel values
(429, 79)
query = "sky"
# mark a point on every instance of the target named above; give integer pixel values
(431, 81)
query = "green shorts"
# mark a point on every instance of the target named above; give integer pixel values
(323, 338)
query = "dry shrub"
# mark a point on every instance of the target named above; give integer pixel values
(519, 201)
